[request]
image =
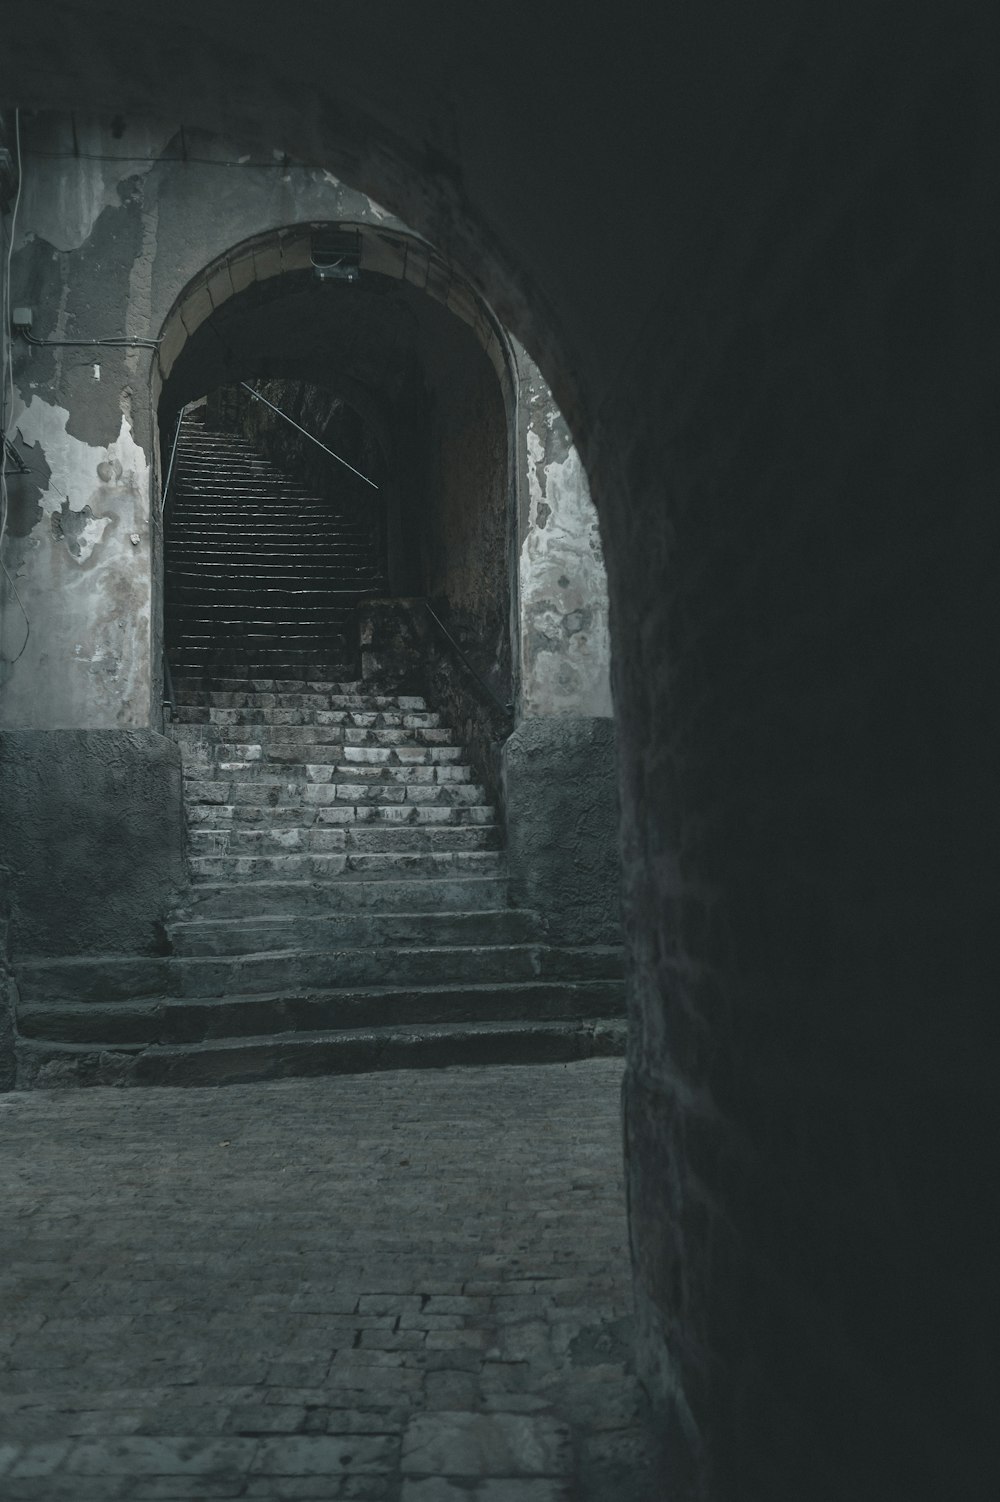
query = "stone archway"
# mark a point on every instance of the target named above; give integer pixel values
(793, 501)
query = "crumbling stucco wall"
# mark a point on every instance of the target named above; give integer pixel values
(110, 230)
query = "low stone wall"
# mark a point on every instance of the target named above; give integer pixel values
(560, 799)
(93, 839)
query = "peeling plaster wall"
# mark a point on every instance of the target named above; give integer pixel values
(565, 641)
(104, 249)
(82, 569)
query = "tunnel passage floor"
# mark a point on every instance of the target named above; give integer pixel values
(407, 1286)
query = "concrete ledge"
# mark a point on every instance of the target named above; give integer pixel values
(93, 839)
(560, 797)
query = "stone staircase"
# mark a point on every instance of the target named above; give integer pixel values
(262, 576)
(348, 907)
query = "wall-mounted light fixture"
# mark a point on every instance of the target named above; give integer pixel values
(336, 255)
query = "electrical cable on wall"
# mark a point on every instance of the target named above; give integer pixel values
(115, 343)
(7, 382)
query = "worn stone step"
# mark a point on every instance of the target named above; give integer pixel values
(169, 1020)
(367, 762)
(250, 815)
(307, 615)
(324, 837)
(302, 729)
(107, 979)
(197, 690)
(236, 636)
(314, 704)
(203, 664)
(268, 790)
(220, 720)
(222, 936)
(254, 762)
(465, 893)
(336, 696)
(241, 1061)
(343, 864)
(346, 697)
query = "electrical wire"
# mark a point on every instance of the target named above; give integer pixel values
(8, 379)
(90, 343)
(280, 164)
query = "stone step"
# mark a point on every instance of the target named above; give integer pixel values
(259, 594)
(204, 669)
(208, 722)
(217, 740)
(198, 690)
(215, 566)
(207, 563)
(305, 815)
(264, 789)
(173, 1020)
(325, 837)
(387, 784)
(283, 898)
(344, 864)
(249, 605)
(303, 701)
(342, 697)
(244, 1060)
(109, 979)
(228, 632)
(344, 757)
(224, 936)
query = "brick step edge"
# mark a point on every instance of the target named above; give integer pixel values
(247, 1060)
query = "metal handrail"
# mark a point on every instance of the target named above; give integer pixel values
(170, 466)
(505, 709)
(305, 432)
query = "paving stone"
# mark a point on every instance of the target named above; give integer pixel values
(509, 1489)
(484, 1444)
(325, 1455)
(149, 1456)
(220, 1241)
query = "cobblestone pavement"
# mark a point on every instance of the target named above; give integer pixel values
(409, 1287)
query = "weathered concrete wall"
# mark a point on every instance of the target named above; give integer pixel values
(565, 640)
(93, 839)
(560, 786)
